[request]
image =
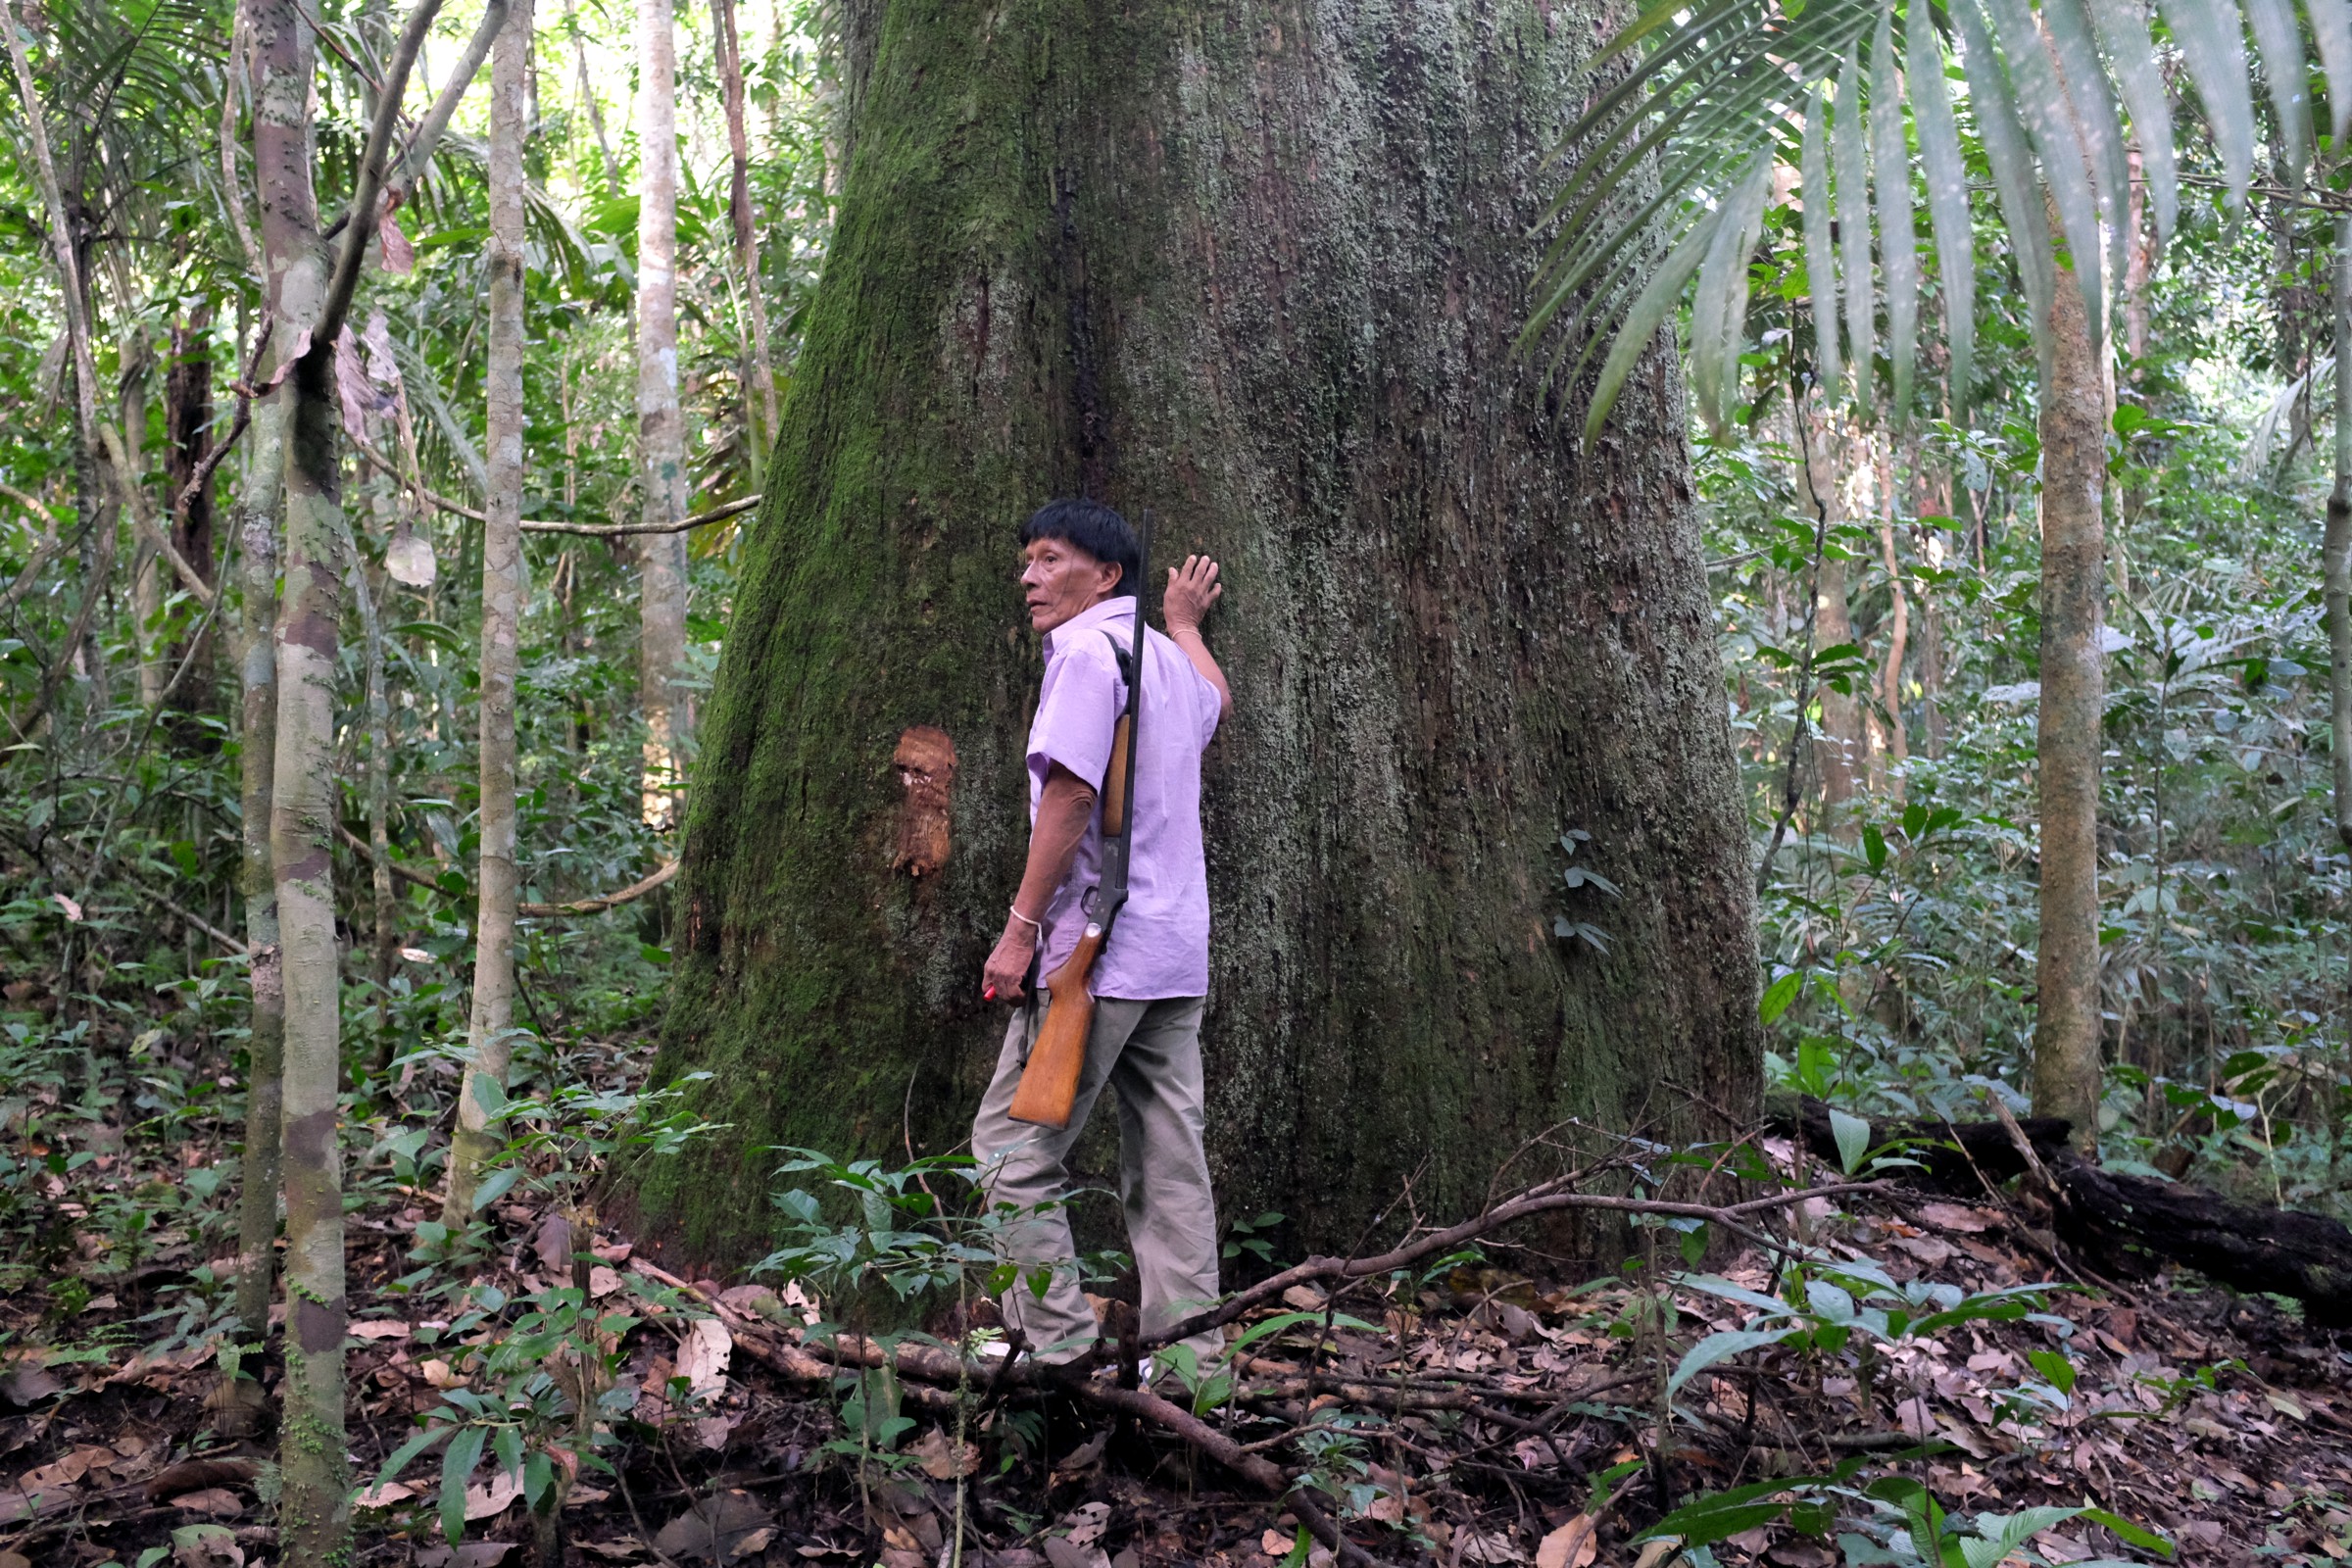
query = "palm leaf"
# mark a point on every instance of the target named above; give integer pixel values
(1948, 197)
(2042, 107)
(1821, 266)
(2283, 72)
(1719, 309)
(2331, 31)
(2013, 180)
(1898, 243)
(1850, 151)
(2123, 31)
(2213, 52)
(1650, 311)
(2093, 118)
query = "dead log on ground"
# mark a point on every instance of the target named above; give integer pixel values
(2128, 1225)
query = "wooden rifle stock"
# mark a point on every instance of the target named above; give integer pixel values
(1048, 1085)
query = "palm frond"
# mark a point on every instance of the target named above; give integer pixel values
(1946, 174)
(1898, 241)
(2284, 73)
(2124, 34)
(1849, 158)
(1821, 260)
(1719, 309)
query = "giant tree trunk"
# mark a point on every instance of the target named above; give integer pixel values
(1260, 269)
(489, 1042)
(2070, 728)
(660, 431)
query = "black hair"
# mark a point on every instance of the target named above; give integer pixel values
(1096, 529)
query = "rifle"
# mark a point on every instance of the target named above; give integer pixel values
(1048, 1085)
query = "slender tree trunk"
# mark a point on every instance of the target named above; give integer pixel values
(147, 576)
(588, 101)
(1454, 631)
(284, 56)
(314, 1506)
(187, 428)
(1843, 751)
(661, 431)
(1898, 635)
(2069, 729)
(1932, 497)
(385, 928)
(759, 374)
(2336, 550)
(489, 1037)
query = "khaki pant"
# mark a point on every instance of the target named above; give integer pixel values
(1149, 1051)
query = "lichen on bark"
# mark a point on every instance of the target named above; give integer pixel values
(1260, 269)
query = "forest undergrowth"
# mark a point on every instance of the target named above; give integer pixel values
(1893, 1377)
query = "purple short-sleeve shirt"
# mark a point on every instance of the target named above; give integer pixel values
(1159, 944)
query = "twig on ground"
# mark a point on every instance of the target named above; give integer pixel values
(1542, 1199)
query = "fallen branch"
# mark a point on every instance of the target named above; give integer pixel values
(1547, 1198)
(616, 530)
(658, 877)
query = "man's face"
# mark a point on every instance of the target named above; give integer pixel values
(1059, 581)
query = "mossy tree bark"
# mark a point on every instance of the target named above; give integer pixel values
(1261, 269)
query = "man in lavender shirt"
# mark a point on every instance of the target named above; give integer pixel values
(1082, 566)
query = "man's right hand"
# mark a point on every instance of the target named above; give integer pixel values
(1193, 591)
(1008, 965)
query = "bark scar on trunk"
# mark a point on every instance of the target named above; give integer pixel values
(926, 765)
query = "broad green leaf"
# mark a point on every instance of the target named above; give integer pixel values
(456, 1467)
(1722, 1347)
(1853, 1138)
(1717, 1515)
(1947, 200)
(1821, 266)
(1849, 151)
(1780, 996)
(1898, 241)
(1714, 1285)
(2041, 103)
(2135, 1535)
(2013, 177)
(2123, 30)
(2213, 51)
(2055, 1365)
(410, 1451)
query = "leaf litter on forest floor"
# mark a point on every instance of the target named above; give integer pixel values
(1475, 1414)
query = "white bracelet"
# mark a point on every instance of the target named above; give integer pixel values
(1015, 911)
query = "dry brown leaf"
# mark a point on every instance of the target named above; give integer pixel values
(493, 1497)
(1573, 1545)
(379, 1328)
(385, 1495)
(940, 1463)
(218, 1502)
(703, 1356)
